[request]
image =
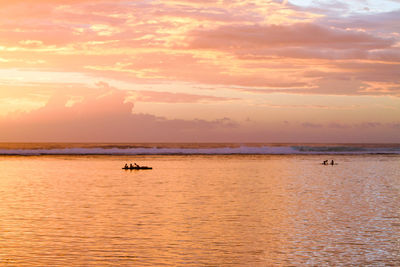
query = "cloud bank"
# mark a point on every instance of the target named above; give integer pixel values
(234, 70)
(105, 117)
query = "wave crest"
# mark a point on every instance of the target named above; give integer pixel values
(223, 150)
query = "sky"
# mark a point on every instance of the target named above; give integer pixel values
(200, 71)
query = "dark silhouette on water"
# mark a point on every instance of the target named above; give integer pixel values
(136, 167)
(326, 162)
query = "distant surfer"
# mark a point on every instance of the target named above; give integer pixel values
(325, 162)
(136, 165)
(126, 166)
(332, 163)
(131, 166)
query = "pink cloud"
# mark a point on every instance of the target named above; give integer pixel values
(339, 125)
(395, 125)
(105, 117)
(369, 125)
(372, 22)
(233, 44)
(253, 36)
(311, 125)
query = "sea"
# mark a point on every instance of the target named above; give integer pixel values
(214, 204)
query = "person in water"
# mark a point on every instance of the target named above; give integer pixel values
(136, 165)
(126, 166)
(131, 166)
(332, 163)
(325, 162)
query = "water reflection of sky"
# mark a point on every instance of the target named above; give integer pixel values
(227, 210)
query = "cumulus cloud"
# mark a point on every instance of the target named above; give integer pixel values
(104, 117)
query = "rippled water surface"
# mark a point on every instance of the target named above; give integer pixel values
(232, 210)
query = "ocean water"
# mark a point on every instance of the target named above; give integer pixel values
(193, 149)
(199, 209)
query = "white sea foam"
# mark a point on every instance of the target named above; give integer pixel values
(262, 150)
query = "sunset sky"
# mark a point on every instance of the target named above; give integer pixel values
(199, 71)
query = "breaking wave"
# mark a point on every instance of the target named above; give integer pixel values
(219, 149)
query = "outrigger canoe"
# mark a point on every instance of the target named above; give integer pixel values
(138, 168)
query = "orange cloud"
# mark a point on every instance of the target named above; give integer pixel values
(210, 42)
(166, 97)
(251, 52)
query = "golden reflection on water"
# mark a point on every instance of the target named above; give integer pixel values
(199, 210)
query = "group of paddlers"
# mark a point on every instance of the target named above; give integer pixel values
(131, 166)
(326, 162)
